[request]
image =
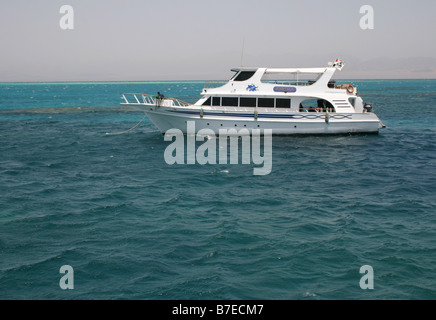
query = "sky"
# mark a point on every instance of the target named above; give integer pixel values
(142, 40)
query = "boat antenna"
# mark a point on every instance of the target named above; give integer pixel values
(242, 53)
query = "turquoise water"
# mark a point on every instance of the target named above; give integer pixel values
(134, 227)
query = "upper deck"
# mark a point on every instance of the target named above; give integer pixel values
(295, 84)
(262, 80)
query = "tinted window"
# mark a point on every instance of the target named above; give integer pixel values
(266, 102)
(244, 75)
(319, 105)
(247, 102)
(283, 103)
(207, 102)
(231, 102)
(216, 101)
(309, 105)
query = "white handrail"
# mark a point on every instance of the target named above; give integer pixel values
(153, 100)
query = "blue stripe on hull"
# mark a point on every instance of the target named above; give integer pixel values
(273, 116)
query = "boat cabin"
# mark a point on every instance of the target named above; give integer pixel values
(298, 89)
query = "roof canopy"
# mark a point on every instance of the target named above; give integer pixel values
(283, 70)
(295, 70)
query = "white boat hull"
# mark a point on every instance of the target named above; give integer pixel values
(283, 123)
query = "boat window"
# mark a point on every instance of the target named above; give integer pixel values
(207, 102)
(244, 75)
(283, 103)
(266, 102)
(352, 101)
(331, 84)
(316, 105)
(308, 105)
(328, 107)
(216, 101)
(233, 76)
(247, 102)
(230, 102)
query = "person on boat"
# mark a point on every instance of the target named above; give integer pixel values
(320, 105)
(159, 98)
(329, 107)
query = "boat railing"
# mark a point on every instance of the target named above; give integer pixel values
(147, 99)
(289, 83)
(331, 84)
(301, 83)
(214, 84)
(340, 85)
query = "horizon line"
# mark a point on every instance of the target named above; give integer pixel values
(187, 81)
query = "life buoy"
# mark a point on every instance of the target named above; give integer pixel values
(350, 88)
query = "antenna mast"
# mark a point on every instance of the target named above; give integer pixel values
(243, 45)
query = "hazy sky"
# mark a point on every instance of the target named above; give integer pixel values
(134, 40)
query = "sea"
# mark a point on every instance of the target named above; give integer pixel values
(90, 215)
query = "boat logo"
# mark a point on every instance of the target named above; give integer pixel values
(285, 89)
(252, 88)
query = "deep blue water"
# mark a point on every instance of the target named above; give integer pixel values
(134, 227)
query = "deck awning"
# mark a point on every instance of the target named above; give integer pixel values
(282, 70)
(295, 70)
